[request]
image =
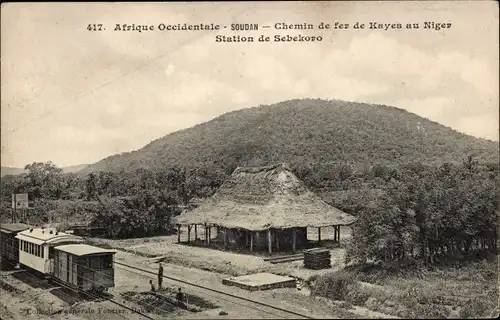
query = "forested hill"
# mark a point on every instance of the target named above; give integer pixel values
(305, 131)
(15, 171)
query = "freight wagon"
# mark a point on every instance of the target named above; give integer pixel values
(9, 245)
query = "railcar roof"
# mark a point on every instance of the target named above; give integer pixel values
(14, 227)
(83, 249)
(46, 235)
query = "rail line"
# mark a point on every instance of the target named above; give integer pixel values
(82, 292)
(100, 296)
(295, 314)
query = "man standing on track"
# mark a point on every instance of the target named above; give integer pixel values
(181, 299)
(160, 275)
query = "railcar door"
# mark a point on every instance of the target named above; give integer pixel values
(70, 269)
(63, 266)
(74, 271)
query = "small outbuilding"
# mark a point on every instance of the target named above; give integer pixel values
(263, 208)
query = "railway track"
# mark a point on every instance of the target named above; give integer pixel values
(105, 298)
(250, 303)
(91, 295)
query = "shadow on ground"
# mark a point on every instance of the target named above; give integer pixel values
(63, 292)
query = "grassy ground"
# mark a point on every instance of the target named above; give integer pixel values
(166, 249)
(468, 291)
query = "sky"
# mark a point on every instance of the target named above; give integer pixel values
(73, 96)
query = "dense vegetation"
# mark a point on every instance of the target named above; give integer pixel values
(465, 290)
(430, 213)
(139, 203)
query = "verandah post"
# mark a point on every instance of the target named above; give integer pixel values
(225, 237)
(206, 235)
(189, 233)
(178, 233)
(209, 234)
(269, 242)
(294, 239)
(276, 234)
(195, 232)
(338, 233)
(251, 241)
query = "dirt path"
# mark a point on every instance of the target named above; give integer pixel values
(288, 299)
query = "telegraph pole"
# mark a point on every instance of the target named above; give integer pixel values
(15, 209)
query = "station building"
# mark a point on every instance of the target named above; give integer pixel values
(262, 208)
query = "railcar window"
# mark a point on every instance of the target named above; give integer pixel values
(85, 264)
(30, 246)
(107, 262)
(51, 252)
(95, 263)
(37, 250)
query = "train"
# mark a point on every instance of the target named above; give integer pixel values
(59, 256)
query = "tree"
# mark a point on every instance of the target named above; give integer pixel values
(91, 187)
(44, 180)
(430, 213)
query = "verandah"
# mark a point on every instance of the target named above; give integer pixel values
(273, 239)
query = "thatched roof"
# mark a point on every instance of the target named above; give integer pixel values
(258, 198)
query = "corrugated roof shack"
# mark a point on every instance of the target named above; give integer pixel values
(262, 208)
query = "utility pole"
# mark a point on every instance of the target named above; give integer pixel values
(15, 209)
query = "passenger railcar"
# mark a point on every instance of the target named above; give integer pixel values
(9, 245)
(60, 256)
(36, 247)
(84, 267)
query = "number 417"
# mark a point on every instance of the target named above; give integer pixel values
(94, 27)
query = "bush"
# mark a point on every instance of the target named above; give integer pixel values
(357, 295)
(478, 308)
(426, 311)
(336, 285)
